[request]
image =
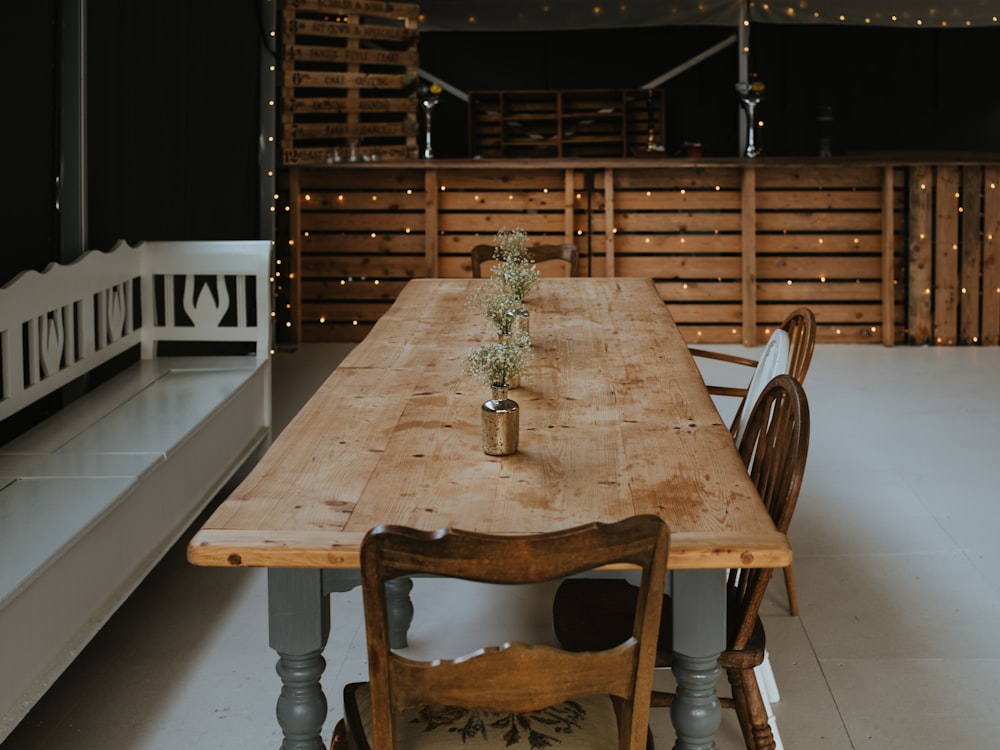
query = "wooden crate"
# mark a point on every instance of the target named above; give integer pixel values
(349, 81)
(571, 123)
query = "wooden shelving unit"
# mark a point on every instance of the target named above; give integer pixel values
(604, 123)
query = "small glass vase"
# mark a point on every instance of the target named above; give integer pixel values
(522, 321)
(501, 423)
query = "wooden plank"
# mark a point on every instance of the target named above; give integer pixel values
(676, 200)
(338, 291)
(678, 244)
(921, 243)
(376, 8)
(384, 243)
(569, 206)
(888, 257)
(823, 244)
(819, 200)
(946, 223)
(991, 257)
(711, 314)
(335, 30)
(808, 293)
(295, 257)
(432, 214)
(677, 222)
(522, 200)
(677, 267)
(314, 53)
(748, 230)
(819, 221)
(697, 179)
(821, 177)
(831, 268)
(363, 224)
(390, 199)
(364, 266)
(361, 311)
(610, 261)
(533, 224)
(971, 255)
(700, 291)
(349, 179)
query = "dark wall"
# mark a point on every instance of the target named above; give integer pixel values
(173, 120)
(890, 89)
(28, 131)
(173, 124)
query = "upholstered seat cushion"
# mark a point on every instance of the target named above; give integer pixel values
(585, 724)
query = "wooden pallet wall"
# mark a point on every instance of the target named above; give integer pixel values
(732, 247)
(954, 255)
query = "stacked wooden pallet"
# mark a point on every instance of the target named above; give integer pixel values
(350, 74)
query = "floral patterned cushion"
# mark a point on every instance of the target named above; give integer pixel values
(584, 724)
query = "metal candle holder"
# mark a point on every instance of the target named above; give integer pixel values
(429, 97)
(750, 96)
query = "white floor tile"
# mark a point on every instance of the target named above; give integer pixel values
(896, 559)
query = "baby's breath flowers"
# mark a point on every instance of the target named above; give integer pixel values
(498, 364)
(499, 306)
(515, 269)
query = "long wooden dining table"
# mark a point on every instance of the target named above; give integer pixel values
(615, 420)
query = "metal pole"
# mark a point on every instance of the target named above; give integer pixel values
(267, 163)
(71, 187)
(743, 74)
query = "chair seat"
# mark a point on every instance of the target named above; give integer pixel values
(591, 614)
(585, 724)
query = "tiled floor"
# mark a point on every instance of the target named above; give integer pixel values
(896, 547)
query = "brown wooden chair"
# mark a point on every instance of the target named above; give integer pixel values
(566, 252)
(504, 692)
(800, 325)
(590, 613)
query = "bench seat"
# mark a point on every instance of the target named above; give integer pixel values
(93, 496)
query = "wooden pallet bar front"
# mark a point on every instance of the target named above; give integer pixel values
(882, 252)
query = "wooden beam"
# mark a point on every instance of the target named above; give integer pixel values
(431, 207)
(748, 250)
(888, 258)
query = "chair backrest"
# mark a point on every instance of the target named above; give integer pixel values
(800, 325)
(773, 361)
(566, 252)
(515, 677)
(774, 449)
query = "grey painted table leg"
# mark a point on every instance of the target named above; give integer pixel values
(397, 596)
(699, 598)
(299, 625)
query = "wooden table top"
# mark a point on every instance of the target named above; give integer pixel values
(615, 421)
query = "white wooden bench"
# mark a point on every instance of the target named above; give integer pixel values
(94, 494)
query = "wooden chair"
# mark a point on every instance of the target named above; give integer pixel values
(567, 253)
(590, 613)
(502, 692)
(800, 325)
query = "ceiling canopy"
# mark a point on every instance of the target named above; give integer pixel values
(541, 15)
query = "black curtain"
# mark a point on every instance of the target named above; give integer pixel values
(174, 122)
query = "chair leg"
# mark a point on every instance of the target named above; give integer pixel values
(765, 680)
(793, 598)
(750, 710)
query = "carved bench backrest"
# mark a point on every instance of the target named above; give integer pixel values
(61, 323)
